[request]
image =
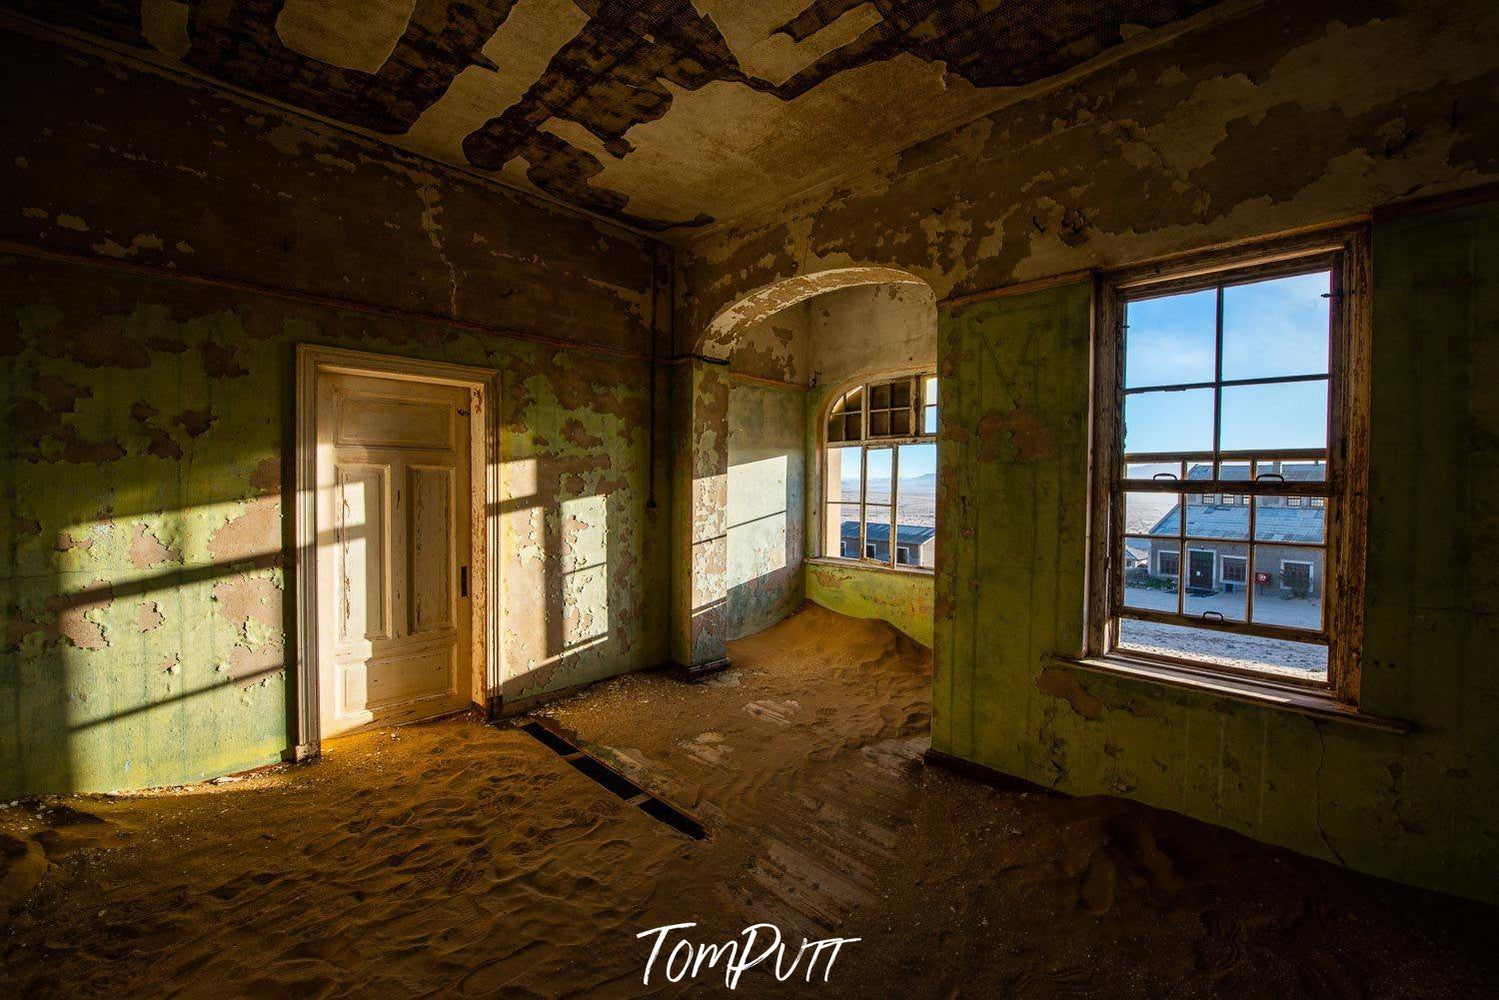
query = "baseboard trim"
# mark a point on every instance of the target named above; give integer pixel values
(984, 774)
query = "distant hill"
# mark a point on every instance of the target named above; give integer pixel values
(922, 484)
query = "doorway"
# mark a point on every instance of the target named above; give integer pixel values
(394, 528)
(1200, 565)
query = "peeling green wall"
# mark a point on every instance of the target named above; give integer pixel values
(145, 479)
(903, 599)
(145, 459)
(1422, 807)
(766, 500)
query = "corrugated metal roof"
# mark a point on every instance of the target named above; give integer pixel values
(1272, 524)
(908, 534)
(1289, 471)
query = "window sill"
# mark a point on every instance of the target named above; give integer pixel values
(871, 566)
(1268, 694)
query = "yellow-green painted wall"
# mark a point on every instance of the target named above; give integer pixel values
(1012, 495)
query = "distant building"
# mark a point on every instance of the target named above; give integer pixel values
(915, 544)
(1217, 546)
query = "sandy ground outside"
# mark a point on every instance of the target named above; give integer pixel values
(461, 859)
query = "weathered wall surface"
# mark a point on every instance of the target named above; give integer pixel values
(904, 599)
(1282, 116)
(871, 329)
(147, 463)
(1418, 807)
(766, 500)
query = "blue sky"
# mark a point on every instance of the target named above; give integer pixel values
(1270, 328)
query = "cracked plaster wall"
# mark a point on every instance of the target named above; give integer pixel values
(148, 421)
(1419, 807)
(1282, 116)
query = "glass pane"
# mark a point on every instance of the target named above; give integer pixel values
(877, 532)
(1171, 340)
(1288, 586)
(841, 481)
(841, 531)
(1217, 515)
(1276, 327)
(1231, 470)
(1157, 514)
(1295, 470)
(1267, 417)
(1290, 519)
(879, 396)
(900, 423)
(929, 391)
(900, 394)
(1302, 660)
(877, 471)
(1149, 566)
(1154, 471)
(916, 506)
(929, 423)
(1168, 421)
(1210, 591)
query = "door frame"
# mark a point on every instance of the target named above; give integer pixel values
(313, 362)
(1212, 569)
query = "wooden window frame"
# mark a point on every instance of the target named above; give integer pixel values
(866, 441)
(1344, 251)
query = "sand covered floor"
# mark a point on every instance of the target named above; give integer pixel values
(461, 859)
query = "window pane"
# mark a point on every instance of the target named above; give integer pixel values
(1266, 417)
(841, 531)
(1291, 591)
(1168, 421)
(929, 421)
(1302, 660)
(1156, 514)
(929, 391)
(1289, 519)
(1149, 567)
(1276, 327)
(1209, 592)
(916, 506)
(842, 479)
(1154, 471)
(1171, 340)
(877, 471)
(877, 532)
(1217, 515)
(1291, 470)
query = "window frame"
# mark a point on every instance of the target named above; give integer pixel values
(918, 407)
(1344, 252)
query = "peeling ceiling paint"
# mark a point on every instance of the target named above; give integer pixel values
(661, 114)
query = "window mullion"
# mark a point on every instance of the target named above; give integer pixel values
(1218, 389)
(894, 503)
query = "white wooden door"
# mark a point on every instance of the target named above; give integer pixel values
(394, 522)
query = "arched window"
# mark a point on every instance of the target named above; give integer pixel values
(879, 473)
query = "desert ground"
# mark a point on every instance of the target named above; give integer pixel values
(459, 858)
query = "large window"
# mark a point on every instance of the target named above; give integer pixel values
(879, 473)
(1225, 413)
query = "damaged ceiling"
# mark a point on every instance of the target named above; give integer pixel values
(662, 114)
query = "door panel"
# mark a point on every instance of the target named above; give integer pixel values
(433, 566)
(363, 569)
(394, 499)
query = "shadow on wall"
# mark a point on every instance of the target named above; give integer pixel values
(145, 577)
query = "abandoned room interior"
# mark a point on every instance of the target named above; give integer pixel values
(587, 498)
